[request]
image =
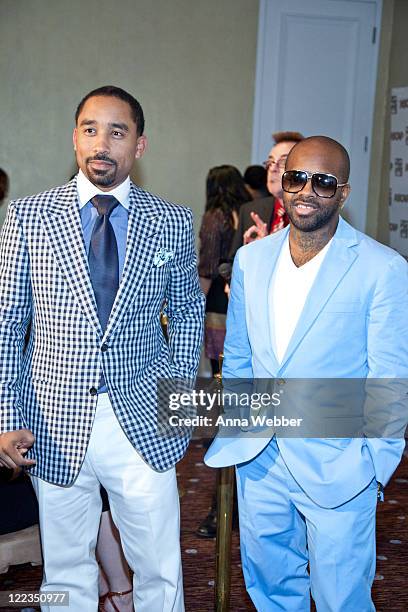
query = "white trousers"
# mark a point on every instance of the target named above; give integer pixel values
(144, 506)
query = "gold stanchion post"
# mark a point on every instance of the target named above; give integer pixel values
(225, 500)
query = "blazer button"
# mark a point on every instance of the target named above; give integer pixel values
(281, 381)
(93, 391)
(104, 347)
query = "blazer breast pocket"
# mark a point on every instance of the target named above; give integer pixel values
(344, 319)
(343, 307)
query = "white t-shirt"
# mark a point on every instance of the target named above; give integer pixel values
(288, 290)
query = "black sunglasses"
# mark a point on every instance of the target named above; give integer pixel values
(324, 185)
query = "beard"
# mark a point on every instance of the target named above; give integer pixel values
(321, 217)
(103, 177)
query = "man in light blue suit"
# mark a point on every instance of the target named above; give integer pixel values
(316, 300)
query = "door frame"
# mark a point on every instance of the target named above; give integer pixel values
(377, 91)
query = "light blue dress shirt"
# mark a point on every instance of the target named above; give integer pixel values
(118, 218)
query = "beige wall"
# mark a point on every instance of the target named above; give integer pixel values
(191, 63)
(399, 46)
(393, 72)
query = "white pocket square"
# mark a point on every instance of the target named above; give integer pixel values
(162, 256)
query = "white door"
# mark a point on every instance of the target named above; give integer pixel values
(316, 74)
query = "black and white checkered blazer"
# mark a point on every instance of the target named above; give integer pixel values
(49, 387)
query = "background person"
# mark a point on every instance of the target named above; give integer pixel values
(115, 584)
(267, 215)
(225, 193)
(4, 185)
(255, 182)
(21, 509)
(4, 188)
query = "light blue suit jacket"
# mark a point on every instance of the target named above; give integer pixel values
(354, 325)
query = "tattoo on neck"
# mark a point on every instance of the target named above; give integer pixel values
(304, 246)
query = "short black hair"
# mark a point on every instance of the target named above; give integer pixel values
(255, 177)
(116, 92)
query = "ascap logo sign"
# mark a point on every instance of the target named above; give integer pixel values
(398, 185)
(404, 228)
(401, 197)
(397, 135)
(398, 166)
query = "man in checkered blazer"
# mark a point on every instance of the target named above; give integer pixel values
(78, 404)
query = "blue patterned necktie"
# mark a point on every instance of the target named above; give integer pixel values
(103, 258)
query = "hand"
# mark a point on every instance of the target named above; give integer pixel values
(260, 229)
(13, 447)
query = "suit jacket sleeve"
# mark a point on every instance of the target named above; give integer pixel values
(387, 353)
(237, 349)
(185, 307)
(15, 315)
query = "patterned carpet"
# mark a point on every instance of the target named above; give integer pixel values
(196, 483)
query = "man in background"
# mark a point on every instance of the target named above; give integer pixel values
(255, 181)
(266, 215)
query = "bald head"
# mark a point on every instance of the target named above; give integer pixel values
(324, 152)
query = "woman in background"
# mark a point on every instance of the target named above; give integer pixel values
(115, 584)
(225, 193)
(4, 185)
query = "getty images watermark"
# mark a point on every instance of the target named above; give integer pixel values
(311, 408)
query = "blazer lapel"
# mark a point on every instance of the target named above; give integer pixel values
(337, 262)
(62, 224)
(144, 226)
